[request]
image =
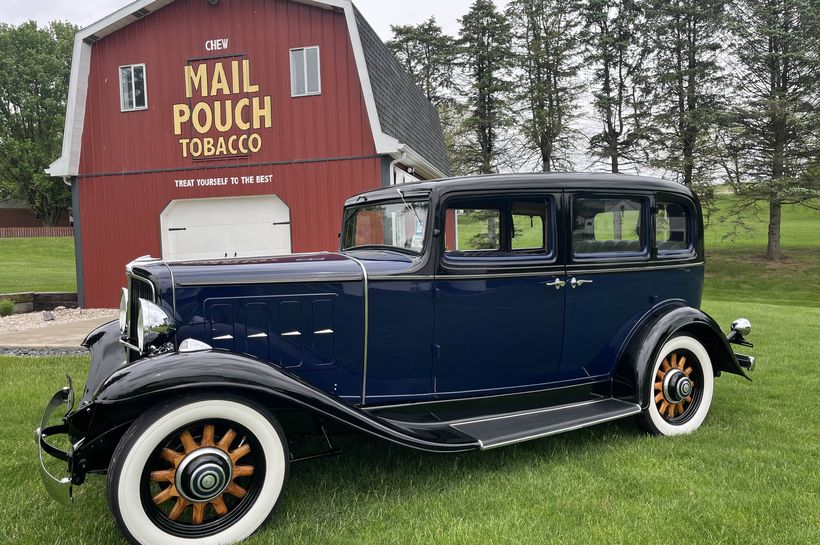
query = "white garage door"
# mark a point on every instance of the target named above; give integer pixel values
(225, 227)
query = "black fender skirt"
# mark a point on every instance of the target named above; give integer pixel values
(177, 373)
(646, 340)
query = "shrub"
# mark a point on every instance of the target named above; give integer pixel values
(6, 307)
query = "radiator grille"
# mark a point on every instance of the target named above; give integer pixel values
(138, 288)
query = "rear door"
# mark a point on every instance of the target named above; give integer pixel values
(499, 309)
(610, 279)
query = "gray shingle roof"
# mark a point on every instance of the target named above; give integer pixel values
(404, 111)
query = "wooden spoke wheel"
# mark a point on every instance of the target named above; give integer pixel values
(202, 474)
(202, 469)
(679, 385)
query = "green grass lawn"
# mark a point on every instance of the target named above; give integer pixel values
(749, 475)
(37, 264)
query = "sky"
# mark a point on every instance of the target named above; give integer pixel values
(380, 13)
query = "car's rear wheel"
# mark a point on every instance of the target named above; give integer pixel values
(680, 386)
(204, 469)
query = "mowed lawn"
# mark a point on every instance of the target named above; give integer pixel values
(749, 475)
(37, 264)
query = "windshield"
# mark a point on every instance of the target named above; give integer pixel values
(399, 226)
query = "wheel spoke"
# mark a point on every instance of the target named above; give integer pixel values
(226, 440)
(243, 471)
(199, 513)
(688, 399)
(208, 436)
(665, 365)
(178, 509)
(237, 454)
(236, 490)
(188, 442)
(688, 371)
(664, 406)
(674, 359)
(171, 456)
(166, 475)
(659, 397)
(659, 386)
(660, 374)
(682, 362)
(165, 495)
(219, 506)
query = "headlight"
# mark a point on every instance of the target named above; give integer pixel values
(153, 325)
(123, 311)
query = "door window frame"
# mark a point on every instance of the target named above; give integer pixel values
(691, 228)
(647, 227)
(507, 259)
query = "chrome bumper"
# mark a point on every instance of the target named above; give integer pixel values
(59, 488)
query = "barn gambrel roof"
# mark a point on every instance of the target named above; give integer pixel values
(403, 122)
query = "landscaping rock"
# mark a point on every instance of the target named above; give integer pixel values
(48, 316)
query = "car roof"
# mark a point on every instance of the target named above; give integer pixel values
(571, 180)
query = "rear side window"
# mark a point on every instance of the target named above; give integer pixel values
(476, 229)
(603, 226)
(673, 228)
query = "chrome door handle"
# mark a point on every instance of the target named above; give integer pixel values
(575, 283)
(557, 283)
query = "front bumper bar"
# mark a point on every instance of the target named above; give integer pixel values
(59, 488)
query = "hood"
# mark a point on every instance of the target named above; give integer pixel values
(316, 267)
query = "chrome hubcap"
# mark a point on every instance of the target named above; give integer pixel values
(676, 386)
(204, 474)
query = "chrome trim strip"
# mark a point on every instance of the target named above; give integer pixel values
(173, 289)
(323, 332)
(406, 278)
(634, 269)
(128, 345)
(223, 338)
(258, 336)
(366, 301)
(634, 410)
(300, 280)
(292, 334)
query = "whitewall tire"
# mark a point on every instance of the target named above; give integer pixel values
(205, 470)
(680, 386)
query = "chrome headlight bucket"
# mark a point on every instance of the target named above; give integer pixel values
(154, 326)
(742, 326)
(124, 311)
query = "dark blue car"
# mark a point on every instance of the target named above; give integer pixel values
(457, 315)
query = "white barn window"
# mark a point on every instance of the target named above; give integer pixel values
(305, 72)
(133, 88)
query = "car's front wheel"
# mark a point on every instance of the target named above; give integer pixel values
(204, 469)
(680, 385)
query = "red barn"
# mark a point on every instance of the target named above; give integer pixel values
(212, 128)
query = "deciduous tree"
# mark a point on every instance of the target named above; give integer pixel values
(34, 74)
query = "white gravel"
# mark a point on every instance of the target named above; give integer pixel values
(34, 320)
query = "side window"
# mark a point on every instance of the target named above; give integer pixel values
(607, 226)
(497, 228)
(673, 228)
(474, 230)
(133, 95)
(528, 222)
(305, 72)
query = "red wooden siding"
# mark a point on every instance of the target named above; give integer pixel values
(319, 149)
(333, 124)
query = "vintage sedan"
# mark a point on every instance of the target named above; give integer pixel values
(458, 315)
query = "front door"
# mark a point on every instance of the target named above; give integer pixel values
(499, 302)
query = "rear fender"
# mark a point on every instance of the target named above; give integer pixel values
(658, 326)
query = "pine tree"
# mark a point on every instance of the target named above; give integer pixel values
(616, 50)
(687, 84)
(484, 58)
(778, 85)
(547, 54)
(427, 54)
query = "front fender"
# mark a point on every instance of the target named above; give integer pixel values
(649, 336)
(176, 373)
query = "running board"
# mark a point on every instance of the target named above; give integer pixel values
(497, 431)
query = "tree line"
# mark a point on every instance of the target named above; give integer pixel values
(706, 92)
